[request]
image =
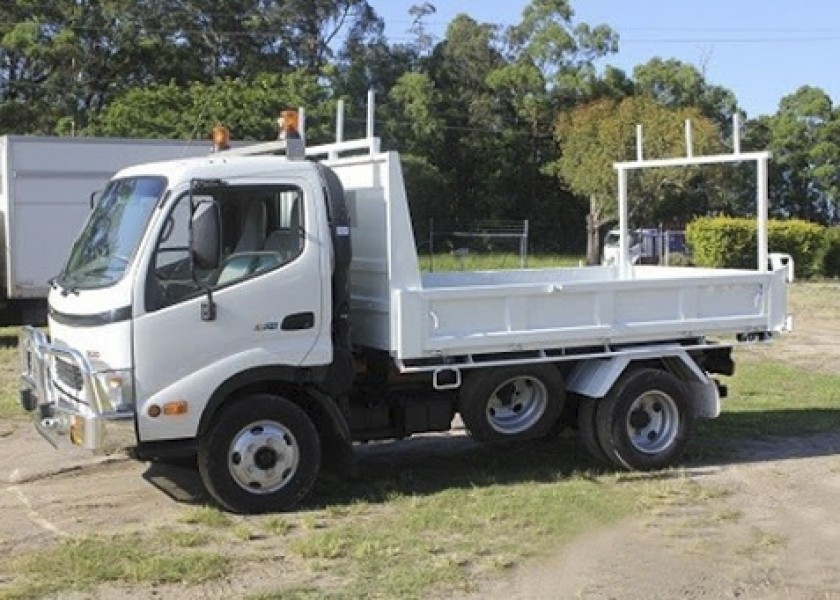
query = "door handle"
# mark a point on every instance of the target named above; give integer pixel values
(298, 321)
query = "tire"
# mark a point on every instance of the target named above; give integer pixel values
(511, 403)
(587, 426)
(645, 421)
(262, 453)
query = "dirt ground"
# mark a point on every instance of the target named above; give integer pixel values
(771, 531)
(766, 527)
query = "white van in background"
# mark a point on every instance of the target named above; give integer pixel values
(645, 246)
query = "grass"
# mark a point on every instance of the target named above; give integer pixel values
(494, 262)
(438, 541)
(761, 544)
(209, 516)
(9, 373)
(431, 523)
(134, 558)
(773, 398)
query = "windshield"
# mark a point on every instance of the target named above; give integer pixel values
(613, 237)
(104, 249)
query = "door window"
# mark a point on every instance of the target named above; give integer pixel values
(262, 229)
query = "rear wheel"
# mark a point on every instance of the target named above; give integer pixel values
(261, 454)
(511, 403)
(645, 421)
(587, 426)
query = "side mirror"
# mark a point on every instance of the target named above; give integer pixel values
(205, 233)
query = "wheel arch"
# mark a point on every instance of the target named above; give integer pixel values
(284, 381)
(596, 377)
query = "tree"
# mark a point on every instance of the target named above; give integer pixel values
(66, 59)
(420, 128)
(561, 50)
(248, 108)
(594, 136)
(62, 62)
(676, 84)
(459, 67)
(804, 136)
(423, 40)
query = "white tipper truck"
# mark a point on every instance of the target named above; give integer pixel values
(45, 188)
(213, 308)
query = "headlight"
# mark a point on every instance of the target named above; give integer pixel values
(115, 390)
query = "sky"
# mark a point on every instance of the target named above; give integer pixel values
(762, 50)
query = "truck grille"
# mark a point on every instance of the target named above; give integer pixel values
(68, 373)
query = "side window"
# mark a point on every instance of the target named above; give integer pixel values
(171, 278)
(285, 229)
(262, 229)
(267, 226)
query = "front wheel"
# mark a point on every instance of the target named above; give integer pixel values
(262, 453)
(645, 422)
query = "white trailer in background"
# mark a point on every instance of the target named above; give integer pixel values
(213, 306)
(45, 189)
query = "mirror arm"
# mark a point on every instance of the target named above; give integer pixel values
(208, 307)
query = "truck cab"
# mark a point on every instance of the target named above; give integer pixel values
(191, 279)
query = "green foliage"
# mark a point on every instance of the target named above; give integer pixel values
(722, 242)
(595, 135)
(804, 137)
(676, 84)
(415, 96)
(804, 241)
(249, 108)
(733, 243)
(831, 257)
(475, 106)
(429, 193)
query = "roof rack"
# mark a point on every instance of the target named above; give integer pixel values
(736, 156)
(331, 151)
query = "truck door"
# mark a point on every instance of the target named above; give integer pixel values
(267, 290)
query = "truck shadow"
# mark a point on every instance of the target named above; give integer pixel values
(736, 438)
(418, 466)
(432, 463)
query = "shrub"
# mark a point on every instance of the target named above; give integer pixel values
(732, 243)
(722, 242)
(831, 257)
(803, 240)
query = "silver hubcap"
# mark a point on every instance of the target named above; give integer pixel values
(517, 405)
(263, 457)
(653, 422)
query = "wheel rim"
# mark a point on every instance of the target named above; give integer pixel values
(653, 422)
(517, 405)
(263, 457)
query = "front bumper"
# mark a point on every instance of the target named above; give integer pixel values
(59, 388)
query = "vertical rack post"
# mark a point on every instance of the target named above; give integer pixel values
(371, 120)
(302, 123)
(623, 248)
(689, 139)
(736, 156)
(762, 210)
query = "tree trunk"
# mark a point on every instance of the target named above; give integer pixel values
(593, 233)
